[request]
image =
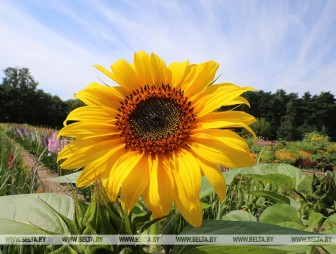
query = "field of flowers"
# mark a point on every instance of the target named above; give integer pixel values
(315, 152)
(41, 142)
(260, 199)
(14, 179)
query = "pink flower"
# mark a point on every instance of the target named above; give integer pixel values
(55, 145)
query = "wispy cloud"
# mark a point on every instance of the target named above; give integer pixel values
(56, 62)
(270, 45)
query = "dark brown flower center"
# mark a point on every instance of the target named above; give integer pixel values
(155, 120)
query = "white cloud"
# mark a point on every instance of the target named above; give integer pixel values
(58, 64)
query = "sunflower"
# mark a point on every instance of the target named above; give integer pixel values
(157, 133)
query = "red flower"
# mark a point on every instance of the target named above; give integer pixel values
(10, 162)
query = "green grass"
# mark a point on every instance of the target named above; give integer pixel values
(14, 178)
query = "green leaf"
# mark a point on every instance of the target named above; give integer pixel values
(205, 205)
(26, 213)
(282, 215)
(139, 216)
(239, 215)
(11, 227)
(283, 175)
(206, 188)
(276, 197)
(329, 249)
(314, 221)
(71, 178)
(272, 195)
(213, 227)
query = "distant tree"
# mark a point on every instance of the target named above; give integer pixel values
(291, 117)
(73, 103)
(21, 102)
(19, 78)
(262, 128)
(286, 130)
(324, 113)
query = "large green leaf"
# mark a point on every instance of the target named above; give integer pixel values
(35, 213)
(12, 227)
(282, 215)
(213, 227)
(70, 178)
(283, 175)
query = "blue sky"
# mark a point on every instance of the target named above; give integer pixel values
(269, 45)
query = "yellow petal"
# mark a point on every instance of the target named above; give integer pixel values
(92, 114)
(120, 170)
(239, 101)
(143, 68)
(179, 71)
(104, 70)
(214, 176)
(200, 78)
(159, 71)
(193, 215)
(86, 130)
(101, 167)
(135, 184)
(85, 143)
(213, 150)
(187, 176)
(84, 155)
(99, 95)
(217, 96)
(229, 138)
(226, 119)
(125, 76)
(159, 194)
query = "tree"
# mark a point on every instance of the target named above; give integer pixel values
(21, 102)
(19, 78)
(262, 128)
(286, 130)
(324, 106)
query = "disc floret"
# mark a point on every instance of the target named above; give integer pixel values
(155, 119)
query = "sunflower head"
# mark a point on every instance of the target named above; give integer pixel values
(157, 133)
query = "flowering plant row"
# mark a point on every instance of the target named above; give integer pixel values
(39, 141)
(14, 179)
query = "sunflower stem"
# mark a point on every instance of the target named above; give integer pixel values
(154, 229)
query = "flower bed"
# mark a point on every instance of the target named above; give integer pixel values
(315, 152)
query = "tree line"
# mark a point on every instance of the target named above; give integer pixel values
(280, 115)
(289, 117)
(22, 102)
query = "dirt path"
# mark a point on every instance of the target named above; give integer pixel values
(31, 162)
